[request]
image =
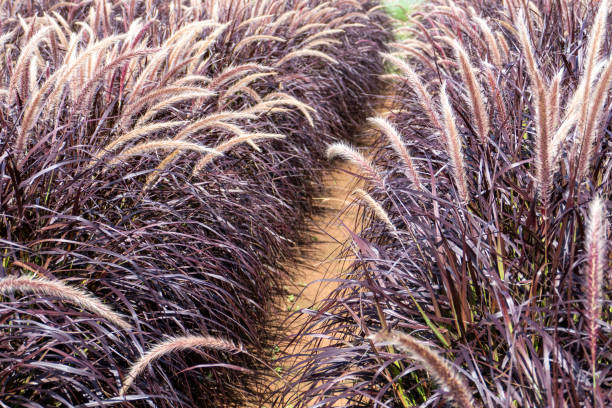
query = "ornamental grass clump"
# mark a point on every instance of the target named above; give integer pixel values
(156, 157)
(498, 262)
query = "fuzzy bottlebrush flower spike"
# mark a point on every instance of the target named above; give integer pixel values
(435, 365)
(588, 107)
(225, 146)
(474, 92)
(347, 152)
(146, 147)
(135, 134)
(415, 82)
(454, 149)
(543, 138)
(399, 146)
(375, 206)
(173, 345)
(58, 289)
(492, 42)
(596, 243)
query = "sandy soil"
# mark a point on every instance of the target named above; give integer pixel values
(315, 276)
(320, 261)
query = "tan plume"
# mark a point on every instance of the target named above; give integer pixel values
(60, 290)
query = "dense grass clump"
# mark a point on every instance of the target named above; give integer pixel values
(483, 278)
(155, 159)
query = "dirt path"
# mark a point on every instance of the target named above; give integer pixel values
(330, 229)
(320, 263)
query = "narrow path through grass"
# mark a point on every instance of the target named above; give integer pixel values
(320, 263)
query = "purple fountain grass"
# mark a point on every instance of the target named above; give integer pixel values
(151, 88)
(528, 318)
(595, 248)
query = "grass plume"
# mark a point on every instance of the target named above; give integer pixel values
(418, 87)
(168, 144)
(347, 152)
(435, 365)
(398, 145)
(173, 345)
(474, 93)
(375, 206)
(542, 110)
(226, 146)
(60, 290)
(453, 143)
(596, 250)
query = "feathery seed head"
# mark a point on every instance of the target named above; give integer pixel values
(172, 345)
(399, 146)
(46, 287)
(347, 152)
(474, 93)
(453, 144)
(435, 365)
(596, 241)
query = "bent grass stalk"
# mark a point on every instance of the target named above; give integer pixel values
(182, 97)
(268, 106)
(399, 146)
(435, 365)
(305, 53)
(172, 345)
(133, 135)
(347, 152)
(285, 99)
(376, 207)
(60, 290)
(225, 146)
(153, 96)
(167, 144)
